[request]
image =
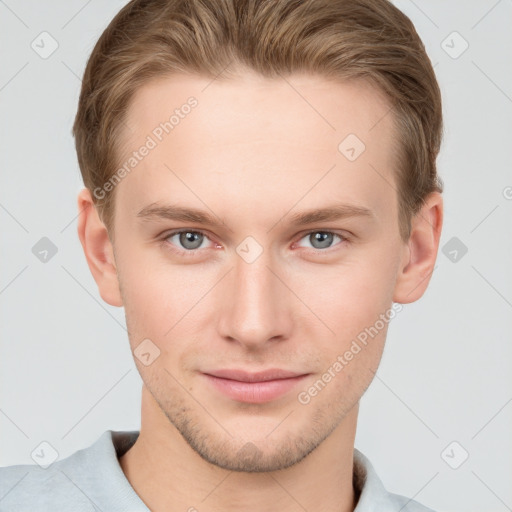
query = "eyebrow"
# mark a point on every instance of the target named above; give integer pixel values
(157, 211)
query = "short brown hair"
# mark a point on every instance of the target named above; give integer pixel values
(338, 39)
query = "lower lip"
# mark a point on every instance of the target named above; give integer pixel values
(254, 392)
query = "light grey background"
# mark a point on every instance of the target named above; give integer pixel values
(66, 372)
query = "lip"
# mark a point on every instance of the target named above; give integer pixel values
(263, 376)
(258, 387)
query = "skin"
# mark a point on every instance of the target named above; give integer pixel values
(253, 153)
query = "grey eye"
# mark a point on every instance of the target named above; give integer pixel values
(321, 239)
(189, 240)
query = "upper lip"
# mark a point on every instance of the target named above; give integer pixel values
(243, 376)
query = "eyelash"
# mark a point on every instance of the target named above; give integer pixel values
(193, 252)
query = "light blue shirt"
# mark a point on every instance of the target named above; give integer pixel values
(92, 479)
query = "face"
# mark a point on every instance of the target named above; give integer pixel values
(253, 280)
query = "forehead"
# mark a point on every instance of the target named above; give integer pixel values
(251, 108)
(260, 139)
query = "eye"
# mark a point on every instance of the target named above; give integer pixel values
(322, 239)
(186, 240)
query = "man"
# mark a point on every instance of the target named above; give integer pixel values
(261, 189)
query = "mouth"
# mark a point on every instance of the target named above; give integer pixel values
(256, 388)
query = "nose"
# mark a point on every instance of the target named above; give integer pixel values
(255, 304)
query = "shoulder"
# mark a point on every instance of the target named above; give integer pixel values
(30, 487)
(373, 496)
(62, 485)
(405, 504)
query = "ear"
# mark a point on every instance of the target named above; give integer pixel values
(420, 253)
(98, 249)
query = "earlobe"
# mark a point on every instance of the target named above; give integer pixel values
(420, 255)
(98, 249)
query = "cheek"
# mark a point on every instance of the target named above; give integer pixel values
(350, 360)
(146, 297)
(162, 303)
(348, 298)
(351, 301)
